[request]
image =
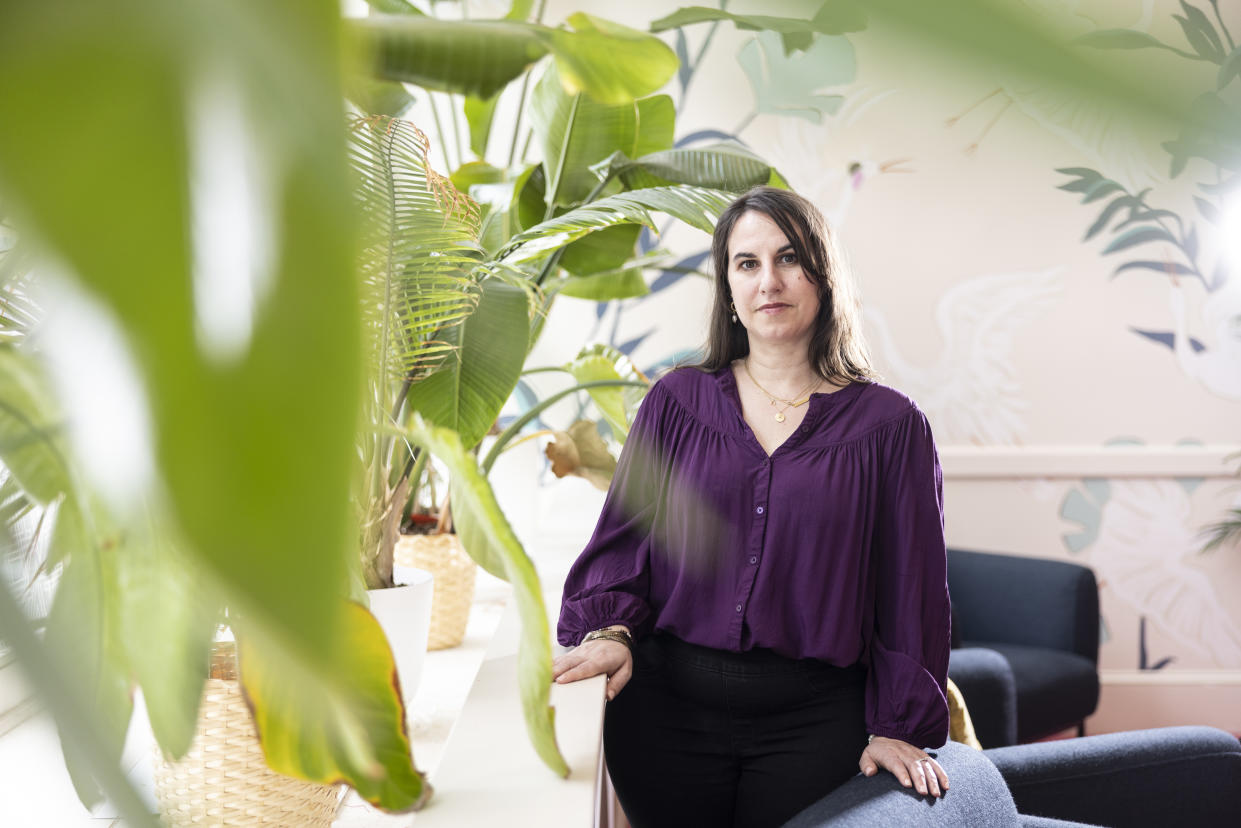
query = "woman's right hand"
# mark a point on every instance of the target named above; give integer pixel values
(592, 658)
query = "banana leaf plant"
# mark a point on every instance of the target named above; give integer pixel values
(448, 327)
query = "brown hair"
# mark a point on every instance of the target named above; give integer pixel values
(837, 349)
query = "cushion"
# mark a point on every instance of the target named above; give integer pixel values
(960, 728)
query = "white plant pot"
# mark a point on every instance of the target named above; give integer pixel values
(404, 613)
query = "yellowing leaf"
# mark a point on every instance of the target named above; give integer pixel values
(342, 723)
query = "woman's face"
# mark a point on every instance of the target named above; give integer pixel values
(775, 300)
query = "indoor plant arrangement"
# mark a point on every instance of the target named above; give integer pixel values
(181, 94)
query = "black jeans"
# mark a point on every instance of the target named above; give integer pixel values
(702, 737)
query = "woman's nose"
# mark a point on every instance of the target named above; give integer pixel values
(769, 281)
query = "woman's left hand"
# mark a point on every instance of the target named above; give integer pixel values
(910, 765)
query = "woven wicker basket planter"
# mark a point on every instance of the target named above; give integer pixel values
(223, 780)
(453, 571)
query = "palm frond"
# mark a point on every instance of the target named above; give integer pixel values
(420, 248)
(696, 206)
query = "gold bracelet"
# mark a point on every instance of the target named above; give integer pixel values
(619, 636)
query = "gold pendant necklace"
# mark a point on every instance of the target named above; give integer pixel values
(773, 399)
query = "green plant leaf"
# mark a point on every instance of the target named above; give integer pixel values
(395, 7)
(489, 540)
(31, 440)
(719, 166)
(476, 172)
(479, 114)
(1138, 235)
(58, 686)
(477, 58)
(469, 390)
(156, 579)
(377, 97)
(617, 405)
(696, 206)
(833, 17)
(343, 723)
(612, 63)
(115, 198)
(575, 132)
(623, 283)
(605, 250)
(520, 10)
(528, 189)
(418, 252)
(793, 85)
(84, 630)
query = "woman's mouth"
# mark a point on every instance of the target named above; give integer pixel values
(773, 307)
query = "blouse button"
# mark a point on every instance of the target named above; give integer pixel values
(738, 608)
(759, 510)
(753, 559)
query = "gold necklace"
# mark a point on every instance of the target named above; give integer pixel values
(793, 403)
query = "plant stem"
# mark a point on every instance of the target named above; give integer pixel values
(546, 369)
(456, 128)
(521, 102)
(521, 107)
(439, 131)
(62, 694)
(535, 410)
(525, 148)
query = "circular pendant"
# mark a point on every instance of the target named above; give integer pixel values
(779, 416)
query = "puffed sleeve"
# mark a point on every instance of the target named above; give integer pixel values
(609, 582)
(906, 691)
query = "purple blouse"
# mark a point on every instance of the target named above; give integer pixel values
(832, 548)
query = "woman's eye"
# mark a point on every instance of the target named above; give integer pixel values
(789, 258)
(747, 264)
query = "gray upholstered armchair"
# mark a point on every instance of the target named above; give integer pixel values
(1165, 776)
(1026, 639)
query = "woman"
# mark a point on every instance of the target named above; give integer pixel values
(765, 588)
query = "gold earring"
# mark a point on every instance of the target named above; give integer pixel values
(732, 306)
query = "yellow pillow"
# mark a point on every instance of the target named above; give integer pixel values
(960, 728)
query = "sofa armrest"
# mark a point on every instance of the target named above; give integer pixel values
(986, 682)
(1019, 600)
(1164, 776)
(976, 796)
